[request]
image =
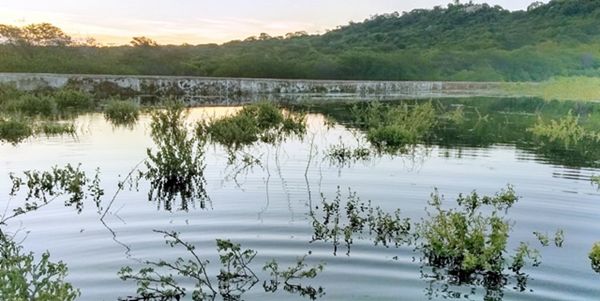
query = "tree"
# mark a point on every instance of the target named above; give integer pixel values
(41, 34)
(143, 42)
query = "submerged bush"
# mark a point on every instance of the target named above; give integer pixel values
(468, 245)
(594, 256)
(262, 122)
(14, 131)
(565, 131)
(70, 101)
(119, 112)
(22, 277)
(55, 129)
(32, 105)
(390, 128)
(176, 168)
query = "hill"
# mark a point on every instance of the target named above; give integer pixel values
(457, 42)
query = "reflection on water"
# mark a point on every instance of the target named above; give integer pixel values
(269, 201)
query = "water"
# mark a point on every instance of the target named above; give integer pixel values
(266, 209)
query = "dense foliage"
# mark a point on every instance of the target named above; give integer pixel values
(457, 42)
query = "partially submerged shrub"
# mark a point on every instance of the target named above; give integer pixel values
(262, 122)
(71, 101)
(358, 220)
(31, 105)
(292, 274)
(565, 131)
(22, 277)
(14, 131)
(468, 245)
(122, 112)
(55, 129)
(594, 256)
(176, 168)
(341, 154)
(391, 128)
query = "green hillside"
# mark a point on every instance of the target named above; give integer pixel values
(457, 42)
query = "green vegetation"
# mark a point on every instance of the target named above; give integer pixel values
(176, 168)
(261, 122)
(392, 128)
(360, 220)
(468, 245)
(578, 88)
(467, 41)
(23, 278)
(14, 131)
(121, 112)
(595, 257)
(156, 281)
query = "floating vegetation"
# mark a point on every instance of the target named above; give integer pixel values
(176, 168)
(55, 129)
(544, 239)
(468, 245)
(594, 257)
(392, 128)
(294, 273)
(358, 220)
(261, 122)
(14, 131)
(22, 277)
(157, 282)
(122, 112)
(340, 154)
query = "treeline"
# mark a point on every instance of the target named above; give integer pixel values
(475, 42)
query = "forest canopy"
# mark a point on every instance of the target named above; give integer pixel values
(477, 42)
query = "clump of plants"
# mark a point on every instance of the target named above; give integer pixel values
(72, 101)
(468, 245)
(566, 131)
(358, 220)
(176, 166)
(594, 257)
(23, 277)
(14, 131)
(289, 277)
(122, 112)
(261, 122)
(55, 129)
(341, 154)
(392, 128)
(157, 280)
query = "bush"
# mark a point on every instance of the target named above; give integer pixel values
(32, 105)
(72, 101)
(14, 131)
(120, 112)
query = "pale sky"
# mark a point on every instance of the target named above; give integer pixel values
(201, 21)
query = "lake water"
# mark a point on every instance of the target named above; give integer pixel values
(267, 208)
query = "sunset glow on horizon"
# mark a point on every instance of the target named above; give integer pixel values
(114, 22)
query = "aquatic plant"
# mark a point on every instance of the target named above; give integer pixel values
(544, 239)
(14, 131)
(31, 105)
(55, 129)
(341, 154)
(43, 187)
(72, 101)
(156, 281)
(360, 220)
(565, 131)
(294, 273)
(391, 128)
(468, 245)
(121, 112)
(23, 277)
(262, 122)
(176, 168)
(594, 257)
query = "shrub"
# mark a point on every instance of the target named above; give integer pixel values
(68, 101)
(14, 131)
(121, 112)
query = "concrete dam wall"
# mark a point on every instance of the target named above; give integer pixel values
(204, 90)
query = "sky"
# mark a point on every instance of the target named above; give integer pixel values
(114, 22)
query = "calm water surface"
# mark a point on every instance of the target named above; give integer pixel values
(267, 208)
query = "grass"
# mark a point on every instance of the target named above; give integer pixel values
(122, 113)
(55, 129)
(579, 88)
